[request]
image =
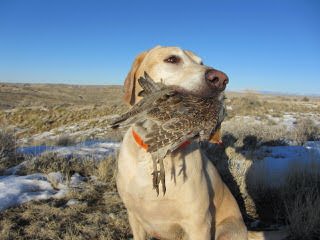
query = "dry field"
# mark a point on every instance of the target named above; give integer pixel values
(65, 114)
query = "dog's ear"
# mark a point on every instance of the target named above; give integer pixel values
(130, 81)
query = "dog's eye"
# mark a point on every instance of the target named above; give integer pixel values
(172, 59)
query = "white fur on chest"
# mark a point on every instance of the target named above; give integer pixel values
(184, 180)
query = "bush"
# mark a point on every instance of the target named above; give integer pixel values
(305, 130)
(301, 200)
(104, 170)
(8, 156)
(52, 162)
(7, 144)
(247, 134)
(65, 140)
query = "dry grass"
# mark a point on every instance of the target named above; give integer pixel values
(102, 217)
(294, 202)
(241, 169)
(8, 154)
(36, 120)
(52, 162)
(253, 104)
(48, 95)
(305, 130)
(64, 140)
(100, 213)
(33, 109)
(301, 199)
(250, 134)
(7, 146)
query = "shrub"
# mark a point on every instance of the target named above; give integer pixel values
(104, 170)
(8, 155)
(65, 140)
(305, 130)
(53, 162)
(247, 134)
(301, 199)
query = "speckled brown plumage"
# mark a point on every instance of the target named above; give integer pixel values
(175, 117)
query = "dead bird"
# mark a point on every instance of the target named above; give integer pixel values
(173, 117)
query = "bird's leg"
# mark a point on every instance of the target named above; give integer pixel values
(162, 176)
(155, 176)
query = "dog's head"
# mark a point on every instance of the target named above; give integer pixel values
(174, 66)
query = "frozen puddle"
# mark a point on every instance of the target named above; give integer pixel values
(95, 149)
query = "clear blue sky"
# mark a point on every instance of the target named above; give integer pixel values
(261, 45)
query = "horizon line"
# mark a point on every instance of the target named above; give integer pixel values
(245, 90)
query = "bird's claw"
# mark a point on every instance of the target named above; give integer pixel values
(162, 177)
(156, 180)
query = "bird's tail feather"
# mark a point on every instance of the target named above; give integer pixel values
(123, 121)
(148, 85)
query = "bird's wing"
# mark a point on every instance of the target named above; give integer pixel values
(175, 123)
(146, 104)
(126, 118)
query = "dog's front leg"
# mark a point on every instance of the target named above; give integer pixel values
(198, 229)
(137, 230)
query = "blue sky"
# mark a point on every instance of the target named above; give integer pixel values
(261, 45)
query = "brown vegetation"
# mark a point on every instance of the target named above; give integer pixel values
(98, 214)
(8, 154)
(251, 124)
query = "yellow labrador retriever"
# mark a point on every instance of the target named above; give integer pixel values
(197, 204)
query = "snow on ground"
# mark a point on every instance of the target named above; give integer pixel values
(74, 131)
(15, 190)
(94, 149)
(279, 159)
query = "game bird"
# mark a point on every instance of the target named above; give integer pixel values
(166, 118)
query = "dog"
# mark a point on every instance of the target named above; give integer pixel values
(197, 205)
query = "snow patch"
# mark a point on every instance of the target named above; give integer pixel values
(98, 150)
(280, 158)
(15, 190)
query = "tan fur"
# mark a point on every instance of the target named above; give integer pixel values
(197, 204)
(129, 83)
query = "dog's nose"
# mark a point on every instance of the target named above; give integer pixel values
(216, 79)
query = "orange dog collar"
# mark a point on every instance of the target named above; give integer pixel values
(139, 140)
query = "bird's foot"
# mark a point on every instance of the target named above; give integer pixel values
(162, 176)
(156, 180)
